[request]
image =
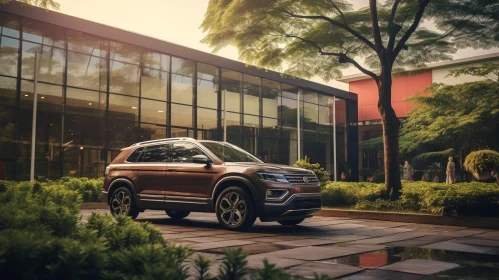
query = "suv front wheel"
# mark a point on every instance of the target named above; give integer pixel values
(234, 209)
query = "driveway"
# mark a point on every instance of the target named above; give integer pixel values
(344, 248)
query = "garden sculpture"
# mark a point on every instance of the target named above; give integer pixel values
(451, 172)
(408, 171)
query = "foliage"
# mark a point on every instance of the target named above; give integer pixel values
(45, 4)
(320, 172)
(489, 70)
(480, 161)
(425, 160)
(461, 199)
(457, 116)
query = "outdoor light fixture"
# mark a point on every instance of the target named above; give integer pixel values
(81, 148)
(43, 97)
(134, 107)
(159, 111)
(25, 95)
(90, 104)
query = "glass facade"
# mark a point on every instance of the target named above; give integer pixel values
(96, 96)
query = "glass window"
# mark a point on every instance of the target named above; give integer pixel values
(154, 84)
(270, 127)
(289, 91)
(152, 131)
(157, 61)
(87, 44)
(52, 62)
(8, 91)
(233, 122)
(43, 33)
(87, 71)
(289, 117)
(181, 115)
(325, 100)
(123, 106)
(8, 56)
(153, 111)
(124, 78)
(9, 25)
(157, 153)
(181, 132)
(49, 96)
(207, 118)
(229, 153)
(135, 155)
(251, 88)
(85, 102)
(184, 151)
(182, 89)
(251, 124)
(183, 67)
(325, 119)
(310, 119)
(125, 53)
(311, 97)
(207, 86)
(289, 151)
(271, 150)
(270, 96)
(231, 84)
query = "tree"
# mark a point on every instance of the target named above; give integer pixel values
(46, 4)
(321, 37)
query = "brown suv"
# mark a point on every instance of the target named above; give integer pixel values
(182, 175)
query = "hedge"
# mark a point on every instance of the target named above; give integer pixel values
(462, 199)
(42, 237)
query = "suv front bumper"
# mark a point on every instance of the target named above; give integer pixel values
(297, 206)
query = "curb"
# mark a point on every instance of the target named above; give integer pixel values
(93, 205)
(473, 222)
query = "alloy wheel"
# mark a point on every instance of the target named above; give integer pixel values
(233, 209)
(121, 203)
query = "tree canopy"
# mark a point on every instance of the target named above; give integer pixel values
(46, 4)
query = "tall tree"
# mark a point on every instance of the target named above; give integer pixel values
(322, 37)
(46, 4)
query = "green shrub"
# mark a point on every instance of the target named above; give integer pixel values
(481, 161)
(462, 199)
(320, 172)
(422, 161)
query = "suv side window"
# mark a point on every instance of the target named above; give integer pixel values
(157, 153)
(184, 151)
(135, 155)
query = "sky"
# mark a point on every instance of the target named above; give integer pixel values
(178, 22)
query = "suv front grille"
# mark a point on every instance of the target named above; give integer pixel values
(300, 179)
(306, 203)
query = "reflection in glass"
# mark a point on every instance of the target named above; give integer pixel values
(325, 119)
(181, 115)
(154, 84)
(52, 61)
(251, 124)
(182, 87)
(270, 127)
(87, 71)
(207, 86)
(153, 111)
(289, 118)
(310, 118)
(271, 150)
(233, 122)
(8, 56)
(231, 83)
(207, 119)
(289, 91)
(123, 115)
(182, 132)
(152, 132)
(85, 102)
(311, 97)
(251, 89)
(7, 91)
(87, 44)
(270, 96)
(124, 78)
(156, 60)
(123, 107)
(43, 33)
(183, 67)
(125, 53)
(9, 25)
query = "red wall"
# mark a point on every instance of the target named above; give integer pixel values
(402, 87)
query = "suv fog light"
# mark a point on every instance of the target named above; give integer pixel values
(276, 194)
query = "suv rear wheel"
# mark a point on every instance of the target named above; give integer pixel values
(177, 215)
(122, 203)
(234, 209)
(291, 222)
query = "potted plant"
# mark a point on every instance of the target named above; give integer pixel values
(482, 164)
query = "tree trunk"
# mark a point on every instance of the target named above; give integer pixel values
(391, 126)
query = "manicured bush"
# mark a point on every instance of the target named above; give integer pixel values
(462, 199)
(482, 161)
(320, 172)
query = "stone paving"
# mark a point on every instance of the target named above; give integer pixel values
(343, 248)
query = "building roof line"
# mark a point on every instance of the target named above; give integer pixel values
(132, 38)
(435, 65)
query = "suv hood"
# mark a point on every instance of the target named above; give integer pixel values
(270, 167)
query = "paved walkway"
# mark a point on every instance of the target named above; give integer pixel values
(344, 248)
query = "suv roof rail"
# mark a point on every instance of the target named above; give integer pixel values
(161, 140)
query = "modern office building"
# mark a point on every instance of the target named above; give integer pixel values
(101, 89)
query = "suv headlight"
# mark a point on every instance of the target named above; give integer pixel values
(272, 177)
(107, 170)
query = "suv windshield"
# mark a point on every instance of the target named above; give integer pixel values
(229, 153)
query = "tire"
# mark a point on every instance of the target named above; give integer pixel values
(176, 214)
(122, 203)
(235, 209)
(291, 222)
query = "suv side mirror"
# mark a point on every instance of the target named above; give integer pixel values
(201, 159)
